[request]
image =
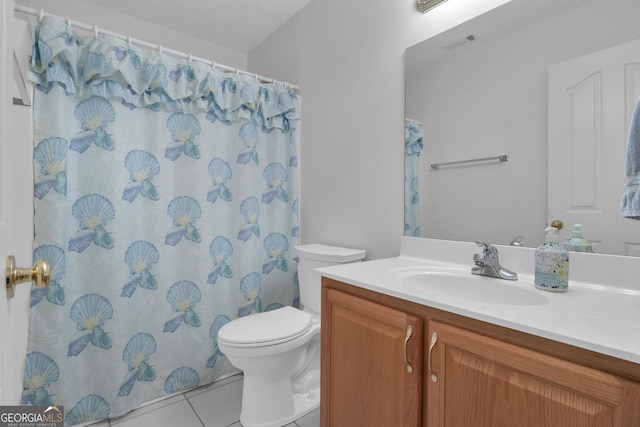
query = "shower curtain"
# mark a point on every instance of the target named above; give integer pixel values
(166, 202)
(413, 143)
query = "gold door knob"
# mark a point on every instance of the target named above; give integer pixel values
(39, 274)
(556, 223)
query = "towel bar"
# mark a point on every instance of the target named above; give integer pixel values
(502, 158)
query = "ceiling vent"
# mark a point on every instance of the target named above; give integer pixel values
(458, 44)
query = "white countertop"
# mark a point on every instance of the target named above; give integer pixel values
(594, 315)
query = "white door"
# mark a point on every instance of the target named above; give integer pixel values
(16, 212)
(591, 100)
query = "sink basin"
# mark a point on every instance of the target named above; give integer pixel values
(460, 283)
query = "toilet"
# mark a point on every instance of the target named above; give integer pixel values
(279, 350)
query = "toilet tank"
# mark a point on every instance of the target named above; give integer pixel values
(314, 256)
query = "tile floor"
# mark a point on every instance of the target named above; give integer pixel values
(214, 405)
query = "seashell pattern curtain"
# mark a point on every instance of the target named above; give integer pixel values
(166, 202)
(413, 144)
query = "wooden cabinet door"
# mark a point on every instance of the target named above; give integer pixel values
(479, 381)
(371, 364)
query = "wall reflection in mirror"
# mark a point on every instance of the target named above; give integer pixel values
(483, 89)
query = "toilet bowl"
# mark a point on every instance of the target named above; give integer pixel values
(279, 350)
(273, 362)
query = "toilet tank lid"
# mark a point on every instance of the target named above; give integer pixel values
(327, 253)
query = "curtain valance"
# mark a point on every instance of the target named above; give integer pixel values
(111, 68)
(413, 137)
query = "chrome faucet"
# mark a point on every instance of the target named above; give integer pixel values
(488, 263)
(517, 241)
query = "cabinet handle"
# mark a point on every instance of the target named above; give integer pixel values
(434, 340)
(406, 340)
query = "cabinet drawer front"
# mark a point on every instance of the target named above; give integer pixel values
(493, 382)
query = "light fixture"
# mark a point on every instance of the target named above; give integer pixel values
(426, 5)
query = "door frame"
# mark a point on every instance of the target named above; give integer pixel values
(16, 214)
(4, 108)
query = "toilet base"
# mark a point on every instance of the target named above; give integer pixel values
(303, 403)
(281, 381)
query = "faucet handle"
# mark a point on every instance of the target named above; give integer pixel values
(488, 250)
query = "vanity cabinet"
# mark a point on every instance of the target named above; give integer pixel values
(482, 382)
(371, 363)
(464, 372)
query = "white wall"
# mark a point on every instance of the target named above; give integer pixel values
(483, 103)
(347, 58)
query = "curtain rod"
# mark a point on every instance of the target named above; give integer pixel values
(94, 28)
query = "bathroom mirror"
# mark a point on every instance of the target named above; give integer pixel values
(481, 90)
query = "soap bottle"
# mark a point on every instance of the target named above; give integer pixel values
(577, 242)
(552, 264)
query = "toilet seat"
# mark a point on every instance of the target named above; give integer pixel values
(266, 329)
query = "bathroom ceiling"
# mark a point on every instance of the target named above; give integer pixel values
(236, 24)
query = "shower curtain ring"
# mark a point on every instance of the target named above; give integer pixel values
(41, 15)
(129, 41)
(190, 58)
(68, 23)
(160, 49)
(213, 65)
(95, 31)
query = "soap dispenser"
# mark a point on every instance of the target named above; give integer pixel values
(552, 264)
(577, 242)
